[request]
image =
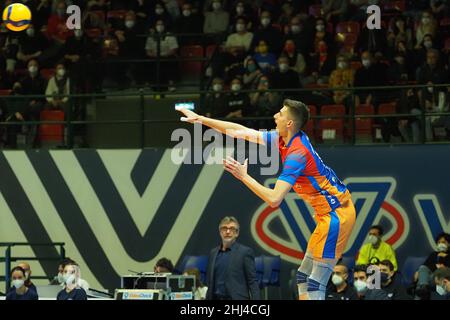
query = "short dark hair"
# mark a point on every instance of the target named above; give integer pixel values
(165, 263)
(298, 110)
(388, 264)
(18, 269)
(379, 228)
(444, 235)
(360, 268)
(442, 273)
(65, 262)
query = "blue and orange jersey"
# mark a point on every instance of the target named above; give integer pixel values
(311, 179)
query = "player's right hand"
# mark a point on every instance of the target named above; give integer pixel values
(189, 116)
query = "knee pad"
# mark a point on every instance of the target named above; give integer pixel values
(313, 285)
(301, 277)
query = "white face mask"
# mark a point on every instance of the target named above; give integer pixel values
(159, 11)
(61, 72)
(399, 60)
(337, 280)
(426, 20)
(430, 89)
(18, 283)
(265, 22)
(32, 69)
(217, 87)
(216, 5)
(78, 33)
(69, 279)
(129, 24)
(398, 24)
(240, 27)
(295, 29)
(442, 247)
(441, 290)
(342, 65)
(160, 28)
(235, 87)
(283, 67)
(320, 27)
(366, 63)
(239, 10)
(427, 44)
(60, 278)
(186, 13)
(360, 286)
(372, 239)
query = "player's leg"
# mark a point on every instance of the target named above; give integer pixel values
(303, 273)
(320, 275)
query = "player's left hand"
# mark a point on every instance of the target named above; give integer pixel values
(235, 168)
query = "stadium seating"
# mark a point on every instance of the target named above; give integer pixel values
(192, 68)
(199, 262)
(410, 266)
(51, 133)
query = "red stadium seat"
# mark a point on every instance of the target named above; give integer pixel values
(348, 27)
(210, 50)
(309, 127)
(51, 132)
(394, 6)
(332, 110)
(364, 109)
(47, 73)
(363, 130)
(116, 14)
(387, 108)
(355, 65)
(5, 92)
(331, 130)
(191, 52)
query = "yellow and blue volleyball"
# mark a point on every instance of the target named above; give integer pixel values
(17, 17)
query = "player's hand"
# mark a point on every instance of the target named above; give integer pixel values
(189, 116)
(239, 171)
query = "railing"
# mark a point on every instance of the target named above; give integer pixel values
(9, 258)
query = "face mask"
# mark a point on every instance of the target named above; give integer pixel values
(61, 72)
(284, 67)
(159, 11)
(32, 69)
(342, 65)
(69, 278)
(360, 286)
(427, 44)
(217, 87)
(251, 67)
(265, 22)
(399, 60)
(425, 20)
(384, 277)
(129, 24)
(160, 28)
(18, 283)
(430, 89)
(216, 5)
(78, 33)
(295, 29)
(239, 10)
(441, 290)
(442, 247)
(366, 63)
(320, 27)
(186, 13)
(398, 24)
(337, 280)
(235, 87)
(240, 27)
(372, 239)
(60, 278)
(30, 32)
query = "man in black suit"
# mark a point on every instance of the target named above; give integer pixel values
(231, 273)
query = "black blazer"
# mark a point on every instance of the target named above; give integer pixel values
(240, 278)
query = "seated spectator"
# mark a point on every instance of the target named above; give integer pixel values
(164, 265)
(436, 260)
(321, 35)
(409, 56)
(409, 104)
(264, 57)
(189, 23)
(269, 34)
(371, 74)
(335, 10)
(237, 101)
(442, 280)
(19, 290)
(200, 288)
(376, 249)
(439, 8)
(285, 77)
(216, 19)
(216, 103)
(173, 9)
(391, 283)
(320, 65)
(342, 77)
(160, 13)
(31, 45)
(242, 10)
(59, 279)
(426, 25)
(341, 290)
(265, 102)
(72, 290)
(359, 11)
(436, 101)
(58, 89)
(296, 59)
(287, 13)
(28, 283)
(41, 14)
(421, 52)
(362, 289)
(251, 73)
(56, 28)
(296, 32)
(241, 39)
(168, 49)
(399, 31)
(398, 71)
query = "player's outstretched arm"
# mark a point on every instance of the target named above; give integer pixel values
(232, 129)
(273, 197)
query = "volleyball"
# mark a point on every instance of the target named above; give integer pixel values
(17, 17)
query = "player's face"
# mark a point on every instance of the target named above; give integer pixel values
(282, 121)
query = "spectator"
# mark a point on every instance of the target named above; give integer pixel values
(399, 31)
(360, 8)
(371, 74)
(321, 34)
(251, 73)
(436, 101)
(58, 89)
(189, 23)
(285, 77)
(296, 59)
(362, 289)
(200, 288)
(340, 289)
(342, 77)
(241, 39)
(28, 283)
(167, 50)
(296, 32)
(59, 279)
(391, 283)
(216, 103)
(41, 14)
(409, 57)
(421, 53)
(264, 57)
(436, 260)
(241, 10)
(266, 32)
(31, 45)
(376, 249)
(164, 265)
(442, 280)
(398, 71)
(237, 101)
(172, 8)
(265, 102)
(160, 13)
(57, 29)
(72, 289)
(231, 273)
(142, 8)
(20, 291)
(335, 10)
(409, 104)
(439, 8)
(10, 51)
(427, 25)
(217, 19)
(432, 71)
(287, 13)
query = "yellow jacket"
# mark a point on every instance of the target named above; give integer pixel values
(384, 252)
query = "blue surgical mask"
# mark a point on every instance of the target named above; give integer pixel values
(441, 290)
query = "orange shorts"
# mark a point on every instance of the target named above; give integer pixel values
(332, 232)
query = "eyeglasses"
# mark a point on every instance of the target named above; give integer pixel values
(225, 229)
